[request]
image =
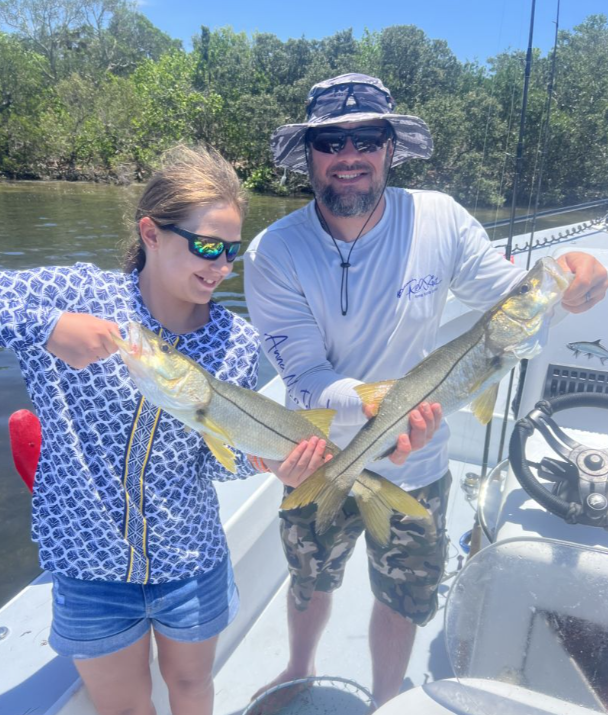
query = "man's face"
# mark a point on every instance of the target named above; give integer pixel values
(350, 183)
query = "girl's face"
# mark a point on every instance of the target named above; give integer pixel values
(182, 274)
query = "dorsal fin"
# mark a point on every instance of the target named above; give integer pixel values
(320, 418)
(373, 393)
(211, 426)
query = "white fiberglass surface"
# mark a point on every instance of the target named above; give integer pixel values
(530, 612)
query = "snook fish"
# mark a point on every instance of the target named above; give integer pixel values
(467, 369)
(226, 414)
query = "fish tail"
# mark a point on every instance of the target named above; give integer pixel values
(319, 489)
(377, 499)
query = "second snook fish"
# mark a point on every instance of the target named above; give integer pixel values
(467, 369)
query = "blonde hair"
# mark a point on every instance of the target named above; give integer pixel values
(187, 179)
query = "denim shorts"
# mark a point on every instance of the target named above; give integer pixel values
(95, 618)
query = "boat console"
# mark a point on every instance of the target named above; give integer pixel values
(526, 626)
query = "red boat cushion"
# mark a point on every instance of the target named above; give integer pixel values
(26, 438)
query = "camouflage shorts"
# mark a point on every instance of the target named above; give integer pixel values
(405, 575)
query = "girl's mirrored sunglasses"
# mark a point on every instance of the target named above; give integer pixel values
(329, 140)
(207, 247)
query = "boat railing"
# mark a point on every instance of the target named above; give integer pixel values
(548, 213)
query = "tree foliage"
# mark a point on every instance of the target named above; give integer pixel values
(91, 89)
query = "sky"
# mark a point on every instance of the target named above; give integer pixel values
(473, 29)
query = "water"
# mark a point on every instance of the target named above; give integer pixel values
(61, 223)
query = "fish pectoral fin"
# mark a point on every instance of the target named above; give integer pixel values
(319, 489)
(211, 426)
(373, 393)
(321, 419)
(483, 406)
(377, 498)
(386, 453)
(219, 450)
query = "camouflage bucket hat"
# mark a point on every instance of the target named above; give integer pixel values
(350, 98)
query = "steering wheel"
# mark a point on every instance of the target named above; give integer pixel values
(580, 480)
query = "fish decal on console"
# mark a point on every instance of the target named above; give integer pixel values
(590, 349)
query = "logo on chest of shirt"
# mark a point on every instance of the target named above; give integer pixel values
(420, 287)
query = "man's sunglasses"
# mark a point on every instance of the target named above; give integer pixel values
(207, 247)
(329, 140)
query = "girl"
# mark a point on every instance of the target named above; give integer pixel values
(124, 511)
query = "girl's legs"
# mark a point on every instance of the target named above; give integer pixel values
(187, 670)
(120, 683)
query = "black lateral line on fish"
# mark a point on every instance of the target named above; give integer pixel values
(253, 417)
(449, 372)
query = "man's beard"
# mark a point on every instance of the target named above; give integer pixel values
(349, 203)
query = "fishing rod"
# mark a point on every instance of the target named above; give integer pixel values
(524, 363)
(545, 131)
(518, 165)
(545, 134)
(522, 128)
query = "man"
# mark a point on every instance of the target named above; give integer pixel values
(350, 289)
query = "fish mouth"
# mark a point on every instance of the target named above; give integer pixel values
(120, 342)
(131, 347)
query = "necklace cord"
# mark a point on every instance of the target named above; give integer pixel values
(346, 264)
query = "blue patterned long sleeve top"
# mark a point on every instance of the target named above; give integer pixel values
(122, 491)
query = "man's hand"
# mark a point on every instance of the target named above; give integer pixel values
(424, 422)
(305, 459)
(590, 281)
(80, 339)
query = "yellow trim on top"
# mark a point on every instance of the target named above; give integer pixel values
(131, 551)
(137, 416)
(126, 534)
(145, 461)
(141, 482)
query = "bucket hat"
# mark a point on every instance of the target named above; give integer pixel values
(350, 98)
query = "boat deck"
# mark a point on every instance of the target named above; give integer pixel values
(343, 650)
(254, 649)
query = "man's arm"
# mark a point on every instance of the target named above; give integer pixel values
(482, 275)
(293, 341)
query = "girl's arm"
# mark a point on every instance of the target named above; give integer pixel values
(38, 309)
(80, 339)
(28, 308)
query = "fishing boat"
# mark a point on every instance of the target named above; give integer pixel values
(521, 626)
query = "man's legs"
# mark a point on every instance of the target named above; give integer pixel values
(316, 565)
(405, 577)
(391, 639)
(305, 631)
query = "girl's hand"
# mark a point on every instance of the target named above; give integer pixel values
(80, 339)
(305, 459)
(590, 281)
(424, 422)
